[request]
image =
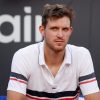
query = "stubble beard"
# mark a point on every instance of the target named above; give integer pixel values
(56, 48)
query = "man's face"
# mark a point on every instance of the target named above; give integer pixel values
(56, 33)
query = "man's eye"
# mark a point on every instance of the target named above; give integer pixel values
(66, 29)
(54, 29)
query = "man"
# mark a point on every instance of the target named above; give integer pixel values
(53, 69)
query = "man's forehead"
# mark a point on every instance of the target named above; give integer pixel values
(54, 18)
(65, 21)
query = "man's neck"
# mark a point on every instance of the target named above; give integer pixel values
(53, 58)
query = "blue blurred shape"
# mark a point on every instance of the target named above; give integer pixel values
(2, 97)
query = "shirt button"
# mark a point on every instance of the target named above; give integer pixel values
(53, 87)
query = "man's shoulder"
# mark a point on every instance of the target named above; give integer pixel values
(77, 49)
(28, 50)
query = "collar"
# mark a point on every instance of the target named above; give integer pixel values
(68, 55)
(67, 59)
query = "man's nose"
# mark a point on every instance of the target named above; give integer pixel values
(60, 33)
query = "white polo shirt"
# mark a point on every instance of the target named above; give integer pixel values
(31, 76)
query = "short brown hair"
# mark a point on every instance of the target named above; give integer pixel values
(56, 11)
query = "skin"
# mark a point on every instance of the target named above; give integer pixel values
(12, 95)
(94, 96)
(56, 35)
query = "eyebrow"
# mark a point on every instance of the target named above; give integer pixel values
(52, 27)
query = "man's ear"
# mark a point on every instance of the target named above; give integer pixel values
(41, 29)
(71, 29)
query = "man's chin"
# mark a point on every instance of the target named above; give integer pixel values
(59, 49)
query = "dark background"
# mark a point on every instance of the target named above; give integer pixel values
(86, 30)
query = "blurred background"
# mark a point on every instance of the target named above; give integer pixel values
(19, 21)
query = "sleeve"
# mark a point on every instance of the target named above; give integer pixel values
(87, 79)
(19, 73)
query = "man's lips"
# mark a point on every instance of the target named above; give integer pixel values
(59, 40)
